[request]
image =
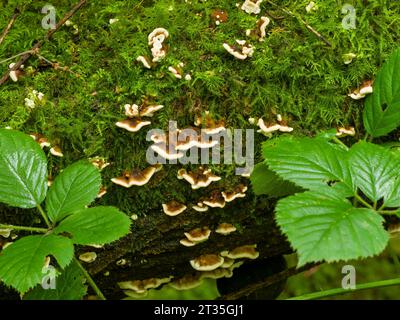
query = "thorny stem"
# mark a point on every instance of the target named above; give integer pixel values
(389, 212)
(22, 228)
(338, 141)
(90, 280)
(340, 291)
(365, 203)
(44, 215)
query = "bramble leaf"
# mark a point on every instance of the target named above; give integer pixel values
(23, 170)
(375, 170)
(382, 107)
(75, 187)
(310, 163)
(321, 225)
(68, 286)
(21, 263)
(97, 225)
(265, 181)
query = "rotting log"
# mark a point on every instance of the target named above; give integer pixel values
(153, 250)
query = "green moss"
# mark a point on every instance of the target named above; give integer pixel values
(292, 72)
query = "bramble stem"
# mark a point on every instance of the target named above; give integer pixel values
(340, 291)
(22, 228)
(90, 280)
(44, 215)
(338, 141)
(365, 203)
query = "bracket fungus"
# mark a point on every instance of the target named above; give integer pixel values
(342, 131)
(211, 126)
(15, 74)
(240, 51)
(260, 31)
(56, 151)
(5, 233)
(198, 235)
(247, 251)
(167, 151)
(43, 141)
(156, 40)
(132, 125)
(252, 6)
(365, 89)
(200, 207)
(187, 243)
(141, 286)
(207, 262)
(99, 162)
(269, 128)
(102, 192)
(225, 228)
(173, 208)
(238, 192)
(88, 257)
(136, 177)
(215, 200)
(176, 72)
(148, 110)
(199, 179)
(187, 282)
(145, 61)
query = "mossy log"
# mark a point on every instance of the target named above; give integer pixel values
(153, 250)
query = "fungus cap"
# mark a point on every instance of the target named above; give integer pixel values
(56, 151)
(207, 262)
(247, 251)
(198, 234)
(187, 282)
(132, 125)
(225, 228)
(88, 257)
(173, 208)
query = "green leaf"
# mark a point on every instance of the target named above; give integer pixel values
(68, 286)
(21, 263)
(321, 225)
(97, 225)
(76, 187)
(375, 170)
(23, 170)
(265, 181)
(382, 107)
(310, 163)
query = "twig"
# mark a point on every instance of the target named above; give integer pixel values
(309, 28)
(341, 291)
(267, 282)
(36, 48)
(10, 24)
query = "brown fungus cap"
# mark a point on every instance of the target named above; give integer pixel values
(187, 282)
(88, 257)
(247, 251)
(173, 208)
(132, 125)
(198, 234)
(200, 178)
(136, 177)
(225, 228)
(207, 262)
(215, 200)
